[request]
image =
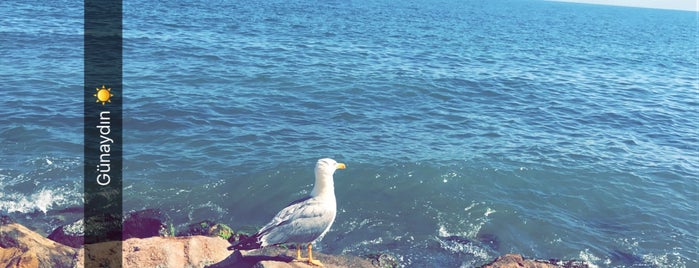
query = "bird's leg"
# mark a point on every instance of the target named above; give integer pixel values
(310, 256)
(298, 254)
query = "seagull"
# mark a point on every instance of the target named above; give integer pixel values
(303, 221)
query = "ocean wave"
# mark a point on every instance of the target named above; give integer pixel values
(50, 184)
(41, 201)
(471, 254)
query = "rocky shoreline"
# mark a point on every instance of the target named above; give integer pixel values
(149, 241)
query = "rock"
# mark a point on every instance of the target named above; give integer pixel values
(139, 224)
(4, 219)
(517, 261)
(103, 227)
(570, 263)
(276, 257)
(489, 240)
(238, 236)
(627, 259)
(21, 247)
(72, 235)
(192, 251)
(222, 231)
(383, 260)
(147, 223)
(200, 228)
(208, 228)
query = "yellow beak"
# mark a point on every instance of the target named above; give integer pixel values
(341, 166)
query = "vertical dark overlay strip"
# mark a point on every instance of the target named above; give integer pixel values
(103, 131)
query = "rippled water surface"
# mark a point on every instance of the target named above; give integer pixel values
(470, 129)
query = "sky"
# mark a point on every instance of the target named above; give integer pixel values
(662, 4)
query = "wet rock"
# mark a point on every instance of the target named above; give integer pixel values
(242, 234)
(147, 223)
(21, 247)
(627, 259)
(72, 235)
(107, 226)
(517, 261)
(482, 239)
(383, 260)
(276, 257)
(457, 239)
(489, 240)
(569, 263)
(4, 219)
(208, 228)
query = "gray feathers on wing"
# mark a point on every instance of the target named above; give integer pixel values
(303, 221)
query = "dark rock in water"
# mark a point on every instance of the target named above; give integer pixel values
(490, 240)
(147, 223)
(74, 209)
(208, 228)
(237, 237)
(457, 239)
(569, 263)
(103, 227)
(200, 228)
(4, 219)
(517, 261)
(72, 235)
(242, 234)
(626, 259)
(383, 260)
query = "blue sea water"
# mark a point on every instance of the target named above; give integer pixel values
(470, 129)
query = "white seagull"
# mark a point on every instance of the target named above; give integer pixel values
(304, 220)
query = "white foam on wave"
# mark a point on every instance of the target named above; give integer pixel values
(662, 260)
(590, 259)
(38, 194)
(489, 211)
(479, 254)
(666, 260)
(43, 201)
(465, 226)
(194, 211)
(468, 230)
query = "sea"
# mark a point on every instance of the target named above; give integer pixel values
(470, 129)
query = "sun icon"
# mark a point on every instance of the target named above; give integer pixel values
(104, 94)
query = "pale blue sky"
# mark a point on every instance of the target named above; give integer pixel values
(664, 4)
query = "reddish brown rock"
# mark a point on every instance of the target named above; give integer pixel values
(192, 251)
(21, 247)
(517, 261)
(275, 257)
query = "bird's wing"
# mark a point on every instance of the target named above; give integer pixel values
(285, 214)
(303, 220)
